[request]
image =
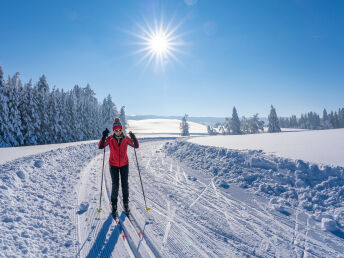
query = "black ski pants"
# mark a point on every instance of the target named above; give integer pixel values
(115, 171)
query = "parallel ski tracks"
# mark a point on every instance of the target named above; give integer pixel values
(237, 223)
(103, 235)
(139, 245)
(167, 232)
(254, 222)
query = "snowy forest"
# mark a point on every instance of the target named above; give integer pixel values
(33, 114)
(313, 121)
(310, 120)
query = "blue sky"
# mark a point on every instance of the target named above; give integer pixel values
(247, 53)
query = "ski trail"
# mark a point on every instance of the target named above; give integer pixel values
(97, 232)
(136, 244)
(258, 231)
(199, 196)
(184, 174)
(168, 224)
(220, 220)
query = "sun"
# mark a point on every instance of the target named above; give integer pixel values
(159, 43)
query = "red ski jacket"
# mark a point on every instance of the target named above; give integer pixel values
(118, 152)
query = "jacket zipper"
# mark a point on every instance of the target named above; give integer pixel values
(119, 154)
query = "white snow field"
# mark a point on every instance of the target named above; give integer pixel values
(321, 146)
(205, 202)
(154, 127)
(8, 154)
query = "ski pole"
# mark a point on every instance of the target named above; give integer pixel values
(101, 186)
(138, 168)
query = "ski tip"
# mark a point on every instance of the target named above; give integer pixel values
(99, 210)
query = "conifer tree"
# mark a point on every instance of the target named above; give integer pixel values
(109, 112)
(4, 119)
(273, 126)
(184, 126)
(123, 118)
(41, 101)
(15, 134)
(235, 122)
(28, 114)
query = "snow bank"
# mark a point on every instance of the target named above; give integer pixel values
(292, 183)
(37, 202)
(322, 146)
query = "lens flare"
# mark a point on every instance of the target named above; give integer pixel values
(159, 42)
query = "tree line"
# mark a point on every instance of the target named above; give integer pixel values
(313, 121)
(251, 125)
(310, 120)
(33, 114)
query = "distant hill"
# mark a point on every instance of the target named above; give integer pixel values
(200, 120)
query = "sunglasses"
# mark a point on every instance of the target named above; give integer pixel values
(118, 130)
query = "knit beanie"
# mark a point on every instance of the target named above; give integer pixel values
(117, 124)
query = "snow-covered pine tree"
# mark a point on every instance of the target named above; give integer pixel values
(77, 114)
(336, 120)
(184, 126)
(293, 122)
(92, 113)
(55, 116)
(211, 130)
(109, 112)
(67, 124)
(15, 134)
(341, 117)
(255, 125)
(235, 122)
(273, 126)
(4, 119)
(123, 119)
(28, 114)
(42, 100)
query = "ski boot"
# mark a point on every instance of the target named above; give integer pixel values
(114, 211)
(126, 208)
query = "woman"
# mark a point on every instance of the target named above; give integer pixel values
(119, 163)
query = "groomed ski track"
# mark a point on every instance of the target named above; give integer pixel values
(190, 216)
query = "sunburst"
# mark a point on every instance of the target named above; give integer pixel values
(159, 42)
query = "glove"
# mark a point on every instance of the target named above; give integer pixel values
(132, 136)
(106, 133)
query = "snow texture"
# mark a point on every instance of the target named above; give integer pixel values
(295, 182)
(284, 208)
(37, 202)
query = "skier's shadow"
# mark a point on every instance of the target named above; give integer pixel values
(338, 233)
(100, 248)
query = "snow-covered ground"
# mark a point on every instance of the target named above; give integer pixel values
(321, 147)
(205, 202)
(8, 154)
